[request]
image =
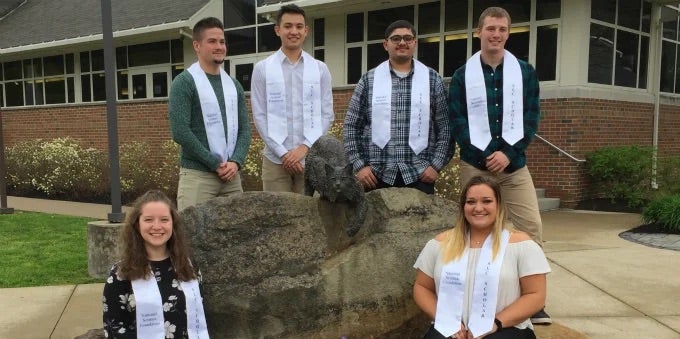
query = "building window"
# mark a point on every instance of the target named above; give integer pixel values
(39, 81)
(245, 31)
(93, 86)
(143, 71)
(355, 27)
(670, 61)
(319, 39)
(379, 20)
(619, 43)
(354, 57)
(453, 24)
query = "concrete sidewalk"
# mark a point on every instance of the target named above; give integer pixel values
(600, 285)
(81, 209)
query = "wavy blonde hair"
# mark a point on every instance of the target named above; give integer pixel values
(455, 239)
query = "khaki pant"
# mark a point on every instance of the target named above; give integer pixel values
(519, 195)
(276, 179)
(196, 187)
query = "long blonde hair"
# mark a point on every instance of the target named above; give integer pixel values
(455, 239)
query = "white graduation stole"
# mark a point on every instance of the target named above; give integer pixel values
(449, 313)
(197, 327)
(513, 101)
(277, 119)
(149, 309)
(220, 146)
(381, 106)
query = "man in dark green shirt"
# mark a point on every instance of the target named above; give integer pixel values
(494, 108)
(209, 120)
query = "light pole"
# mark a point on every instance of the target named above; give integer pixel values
(3, 173)
(116, 215)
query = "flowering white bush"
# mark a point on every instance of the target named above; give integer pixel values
(253, 162)
(55, 167)
(447, 185)
(141, 170)
(61, 168)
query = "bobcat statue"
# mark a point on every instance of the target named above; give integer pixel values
(328, 171)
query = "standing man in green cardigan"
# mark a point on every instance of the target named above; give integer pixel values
(209, 120)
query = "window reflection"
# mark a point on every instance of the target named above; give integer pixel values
(456, 12)
(354, 56)
(625, 71)
(455, 53)
(429, 14)
(14, 93)
(546, 52)
(428, 52)
(600, 58)
(379, 20)
(241, 41)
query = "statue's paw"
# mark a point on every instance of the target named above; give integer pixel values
(352, 230)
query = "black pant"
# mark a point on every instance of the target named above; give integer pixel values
(427, 188)
(505, 333)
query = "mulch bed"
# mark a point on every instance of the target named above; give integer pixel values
(652, 228)
(607, 205)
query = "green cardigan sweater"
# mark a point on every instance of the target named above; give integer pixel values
(188, 129)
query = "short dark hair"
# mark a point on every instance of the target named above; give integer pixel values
(399, 24)
(203, 24)
(290, 9)
(494, 12)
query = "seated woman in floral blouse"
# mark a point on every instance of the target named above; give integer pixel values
(153, 291)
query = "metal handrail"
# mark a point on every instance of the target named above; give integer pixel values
(559, 149)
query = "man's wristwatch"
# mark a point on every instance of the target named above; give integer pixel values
(498, 323)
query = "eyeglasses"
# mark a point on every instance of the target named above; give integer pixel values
(396, 39)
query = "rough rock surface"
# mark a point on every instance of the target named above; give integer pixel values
(279, 265)
(286, 268)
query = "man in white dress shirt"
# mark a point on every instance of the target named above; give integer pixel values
(292, 103)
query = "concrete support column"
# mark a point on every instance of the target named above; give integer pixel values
(102, 247)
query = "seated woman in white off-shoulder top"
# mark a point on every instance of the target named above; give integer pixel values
(481, 279)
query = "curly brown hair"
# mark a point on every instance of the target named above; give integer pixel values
(134, 263)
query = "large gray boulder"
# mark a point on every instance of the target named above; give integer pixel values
(280, 265)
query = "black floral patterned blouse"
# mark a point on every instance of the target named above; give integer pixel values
(119, 303)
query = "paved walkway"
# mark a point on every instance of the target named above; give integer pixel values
(601, 285)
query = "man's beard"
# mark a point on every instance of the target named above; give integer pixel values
(218, 62)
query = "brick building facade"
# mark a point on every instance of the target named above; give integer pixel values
(609, 70)
(578, 126)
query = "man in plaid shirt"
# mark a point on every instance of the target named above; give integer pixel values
(396, 133)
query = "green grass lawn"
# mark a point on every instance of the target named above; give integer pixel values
(38, 249)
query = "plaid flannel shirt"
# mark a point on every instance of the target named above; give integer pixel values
(494, 96)
(397, 156)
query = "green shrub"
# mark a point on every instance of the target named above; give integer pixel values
(140, 171)
(664, 211)
(622, 172)
(167, 174)
(62, 169)
(668, 175)
(58, 168)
